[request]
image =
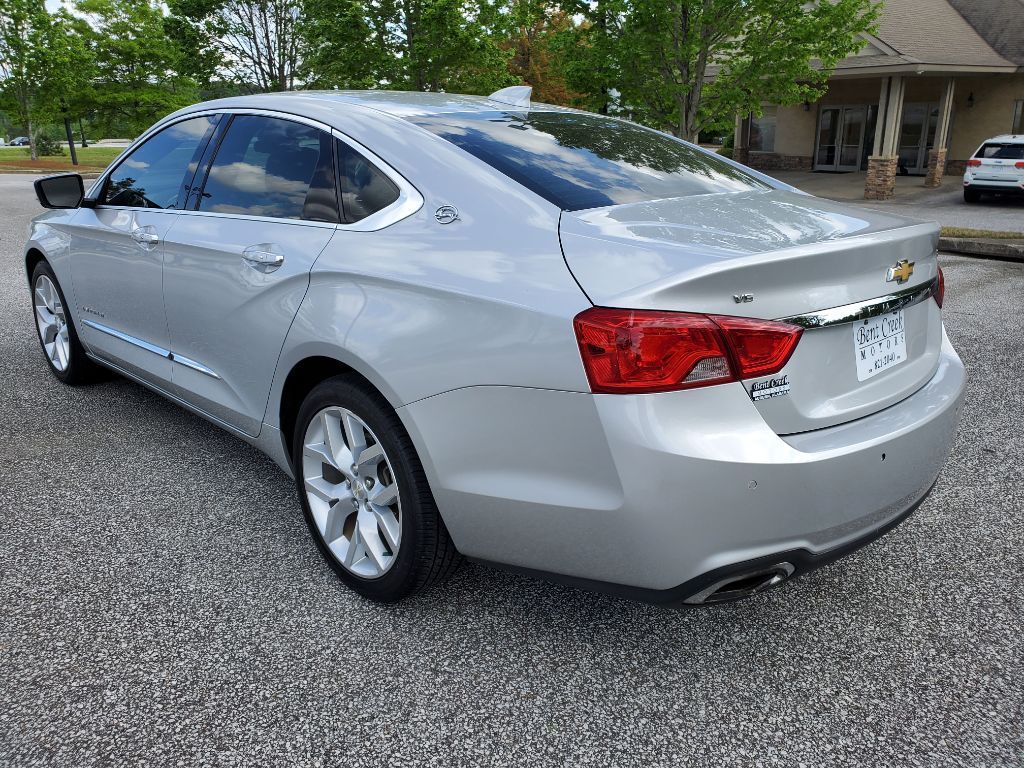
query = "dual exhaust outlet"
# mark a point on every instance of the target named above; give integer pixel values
(743, 584)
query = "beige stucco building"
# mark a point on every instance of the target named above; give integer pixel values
(937, 79)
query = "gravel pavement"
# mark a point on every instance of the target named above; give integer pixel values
(162, 604)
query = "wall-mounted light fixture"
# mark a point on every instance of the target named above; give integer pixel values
(970, 100)
(807, 106)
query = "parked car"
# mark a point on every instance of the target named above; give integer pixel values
(996, 168)
(20, 141)
(550, 340)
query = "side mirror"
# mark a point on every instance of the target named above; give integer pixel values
(65, 190)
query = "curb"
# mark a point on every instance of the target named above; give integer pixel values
(1011, 250)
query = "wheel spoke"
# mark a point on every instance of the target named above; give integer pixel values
(389, 526)
(352, 555)
(371, 455)
(327, 491)
(384, 495)
(334, 442)
(355, 433)
(372, 543)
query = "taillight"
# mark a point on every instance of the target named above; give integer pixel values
(974, 163)
(759, 347)
(627, 350)
(1019, 165)
(940, 289)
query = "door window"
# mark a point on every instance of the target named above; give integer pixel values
(268, 166)
(153, 175)
(364, 187)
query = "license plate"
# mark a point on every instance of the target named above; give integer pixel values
(879, 343)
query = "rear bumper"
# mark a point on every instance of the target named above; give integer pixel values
(655, 496)
(1000, 187)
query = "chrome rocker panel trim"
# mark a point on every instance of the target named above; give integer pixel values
(166, 353)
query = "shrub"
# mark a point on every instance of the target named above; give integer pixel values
(48, 143)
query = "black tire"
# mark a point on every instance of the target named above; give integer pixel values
(972, 196)
(426, 554)
(80, 369)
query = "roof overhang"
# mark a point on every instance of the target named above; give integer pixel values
(921, 69)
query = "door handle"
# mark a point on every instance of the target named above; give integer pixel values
(145, 236)
(265, 257)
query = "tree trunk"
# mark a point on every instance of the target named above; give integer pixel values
(32, 142)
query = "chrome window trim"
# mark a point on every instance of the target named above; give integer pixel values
(862, 310)
(160, 351)
(409, 198)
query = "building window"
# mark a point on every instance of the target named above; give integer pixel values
(762, 131)
(1018, 117)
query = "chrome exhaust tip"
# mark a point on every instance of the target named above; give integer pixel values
(740, 585)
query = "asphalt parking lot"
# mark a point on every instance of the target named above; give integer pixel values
(162, 604)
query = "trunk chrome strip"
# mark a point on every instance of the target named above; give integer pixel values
(166, 353)
(862, 310)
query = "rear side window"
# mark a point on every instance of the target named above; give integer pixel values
(579, 161)
(1001, 152)
(364, 187)
(267, 166)
(152, 176)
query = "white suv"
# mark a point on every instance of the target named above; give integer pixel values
(996, 168)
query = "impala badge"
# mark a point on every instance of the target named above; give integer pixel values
(901, 272)
(446, 214)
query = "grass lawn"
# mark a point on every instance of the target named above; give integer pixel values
(981, 233)
(14, 159)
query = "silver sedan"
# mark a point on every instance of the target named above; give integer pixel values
(540, 338)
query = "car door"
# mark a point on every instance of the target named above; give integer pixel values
(117, 248)
(237, 266)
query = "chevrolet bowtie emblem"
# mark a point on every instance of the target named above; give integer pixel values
(901, 272)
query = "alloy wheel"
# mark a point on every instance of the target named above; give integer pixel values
(52, 323)
(352, 492)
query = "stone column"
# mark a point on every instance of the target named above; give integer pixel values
(880, 183)
(881, 179)
(937, 156)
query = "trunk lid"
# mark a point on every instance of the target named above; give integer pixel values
(773, 255)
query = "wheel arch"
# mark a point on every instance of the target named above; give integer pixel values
(32, 258)
(306, 372)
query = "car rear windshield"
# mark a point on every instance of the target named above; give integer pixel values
(1001, 152)
(579, 161)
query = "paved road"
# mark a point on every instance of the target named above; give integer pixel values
(945, 205)
(162, 604)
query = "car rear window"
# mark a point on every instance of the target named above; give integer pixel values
(1001, 152)
(579, 161)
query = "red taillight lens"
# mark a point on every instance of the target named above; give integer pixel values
(940, 289)
(635, 351)
(973, 163)
(1019, 165)
(759, 347)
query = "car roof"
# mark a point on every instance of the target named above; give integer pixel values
(398, 103)
(1016, 138)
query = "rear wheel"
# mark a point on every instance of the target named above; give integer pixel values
(56, 330)
(972, 195)
(364, 494)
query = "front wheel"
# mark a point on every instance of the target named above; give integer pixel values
(56, 330)
(364, 493)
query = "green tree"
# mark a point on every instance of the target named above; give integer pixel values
(422, 45)
(137, 76)
(685, 65)
(254, 41)
(42, 64)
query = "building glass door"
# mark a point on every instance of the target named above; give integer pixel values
(840, 138)
(917, 137)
